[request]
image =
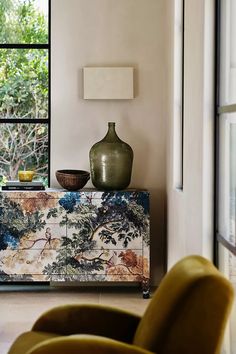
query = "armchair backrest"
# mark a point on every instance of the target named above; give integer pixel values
(189, 310)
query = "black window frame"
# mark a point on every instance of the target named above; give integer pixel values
(47, 121)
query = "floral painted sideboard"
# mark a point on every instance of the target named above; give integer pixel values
(55, 235)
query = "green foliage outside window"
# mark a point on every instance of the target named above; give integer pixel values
(23, 88)
(23, 83)
(22, 22)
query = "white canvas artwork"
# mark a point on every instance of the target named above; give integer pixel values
(108, 83)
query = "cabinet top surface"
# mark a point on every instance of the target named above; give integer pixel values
(54, 192)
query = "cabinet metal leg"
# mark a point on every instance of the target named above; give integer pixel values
(146, 288)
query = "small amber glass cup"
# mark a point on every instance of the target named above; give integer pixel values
(25, 176)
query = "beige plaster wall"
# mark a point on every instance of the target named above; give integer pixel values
(113, 33)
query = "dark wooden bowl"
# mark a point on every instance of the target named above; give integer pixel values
(72, 180)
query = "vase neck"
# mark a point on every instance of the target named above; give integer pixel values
(111, 135)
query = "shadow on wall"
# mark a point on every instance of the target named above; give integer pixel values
(141, 148)
(158, 234)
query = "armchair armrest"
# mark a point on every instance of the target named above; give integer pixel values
(85, 345)
(89, 319)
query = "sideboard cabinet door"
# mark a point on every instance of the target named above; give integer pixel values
(75, 236)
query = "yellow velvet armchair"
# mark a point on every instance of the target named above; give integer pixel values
(187, 315)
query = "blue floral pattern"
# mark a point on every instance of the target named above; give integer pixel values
(74, 236)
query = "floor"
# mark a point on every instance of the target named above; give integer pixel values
(20, 305)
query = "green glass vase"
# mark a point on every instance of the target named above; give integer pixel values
(111, 162)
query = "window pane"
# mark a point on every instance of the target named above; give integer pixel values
(23, 83)
(227, 177)
(228, 52)
(24, 21)
(23, 146)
